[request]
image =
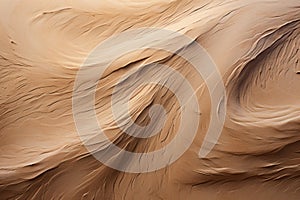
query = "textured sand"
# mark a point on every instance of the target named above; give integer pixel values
(255, 45)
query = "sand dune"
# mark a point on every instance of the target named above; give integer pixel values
(254, 46)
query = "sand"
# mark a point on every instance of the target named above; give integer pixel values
(255, 47)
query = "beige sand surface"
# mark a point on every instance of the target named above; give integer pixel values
(255, 45)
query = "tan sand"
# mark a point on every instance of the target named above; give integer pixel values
(255, 45)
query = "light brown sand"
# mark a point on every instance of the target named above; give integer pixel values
(254, 43)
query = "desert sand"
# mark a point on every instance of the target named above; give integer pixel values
(255, 47)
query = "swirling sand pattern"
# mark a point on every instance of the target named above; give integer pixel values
(255, 45)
